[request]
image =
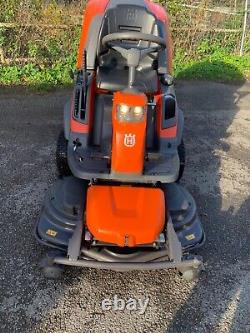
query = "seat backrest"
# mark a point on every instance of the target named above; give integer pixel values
(127, 17)
(120, 16)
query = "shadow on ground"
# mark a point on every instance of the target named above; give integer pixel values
(218, 177)
(217, 142)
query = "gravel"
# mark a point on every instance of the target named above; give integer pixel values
(217, 140)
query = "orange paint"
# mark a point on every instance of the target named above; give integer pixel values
(128, 142)
(93, 8)
(78, 127)
(170, 132)
(125, 216)
(97, 7)
(162, 15)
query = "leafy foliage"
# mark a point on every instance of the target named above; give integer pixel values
(43, 54)
(218, 66)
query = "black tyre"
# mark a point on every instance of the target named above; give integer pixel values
(61, 156)
(182, 157)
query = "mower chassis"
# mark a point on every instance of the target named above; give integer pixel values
(170, 257)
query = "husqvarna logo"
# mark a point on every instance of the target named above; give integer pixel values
(129, 140)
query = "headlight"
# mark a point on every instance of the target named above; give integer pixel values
(123, 110)
(130, 113)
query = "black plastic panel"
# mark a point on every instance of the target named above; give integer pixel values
(65, 206)
(63, 209)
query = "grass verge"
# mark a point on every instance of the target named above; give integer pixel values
(215, 67)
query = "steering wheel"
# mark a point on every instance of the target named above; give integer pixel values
(133, 35)
(133, 55)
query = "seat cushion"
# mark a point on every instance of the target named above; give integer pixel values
(116, 79)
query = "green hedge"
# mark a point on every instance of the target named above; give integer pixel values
(51, 52)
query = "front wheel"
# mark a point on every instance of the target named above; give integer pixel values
(182, 157)
(61, 156)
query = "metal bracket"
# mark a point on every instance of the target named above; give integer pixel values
(175, 249)
(74, 247)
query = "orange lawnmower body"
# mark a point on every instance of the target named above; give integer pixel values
(128, 143)
(118, 204)
(125, 215)
(128, 148)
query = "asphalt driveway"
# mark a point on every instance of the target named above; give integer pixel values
(217, 136)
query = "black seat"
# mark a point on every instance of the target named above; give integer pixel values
(116, 79)
(112, 73)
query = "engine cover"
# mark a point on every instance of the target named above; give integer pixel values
(125, 215)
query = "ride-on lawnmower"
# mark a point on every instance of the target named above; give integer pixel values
(118, 203)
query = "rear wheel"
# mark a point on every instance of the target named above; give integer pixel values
(182, 157)
(61, 156)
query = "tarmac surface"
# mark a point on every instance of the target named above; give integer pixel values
(217, 137)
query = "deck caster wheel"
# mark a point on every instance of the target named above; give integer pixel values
(182, 157)
(49, 269)
(61, 156)
(190, 274)
(193, 272)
